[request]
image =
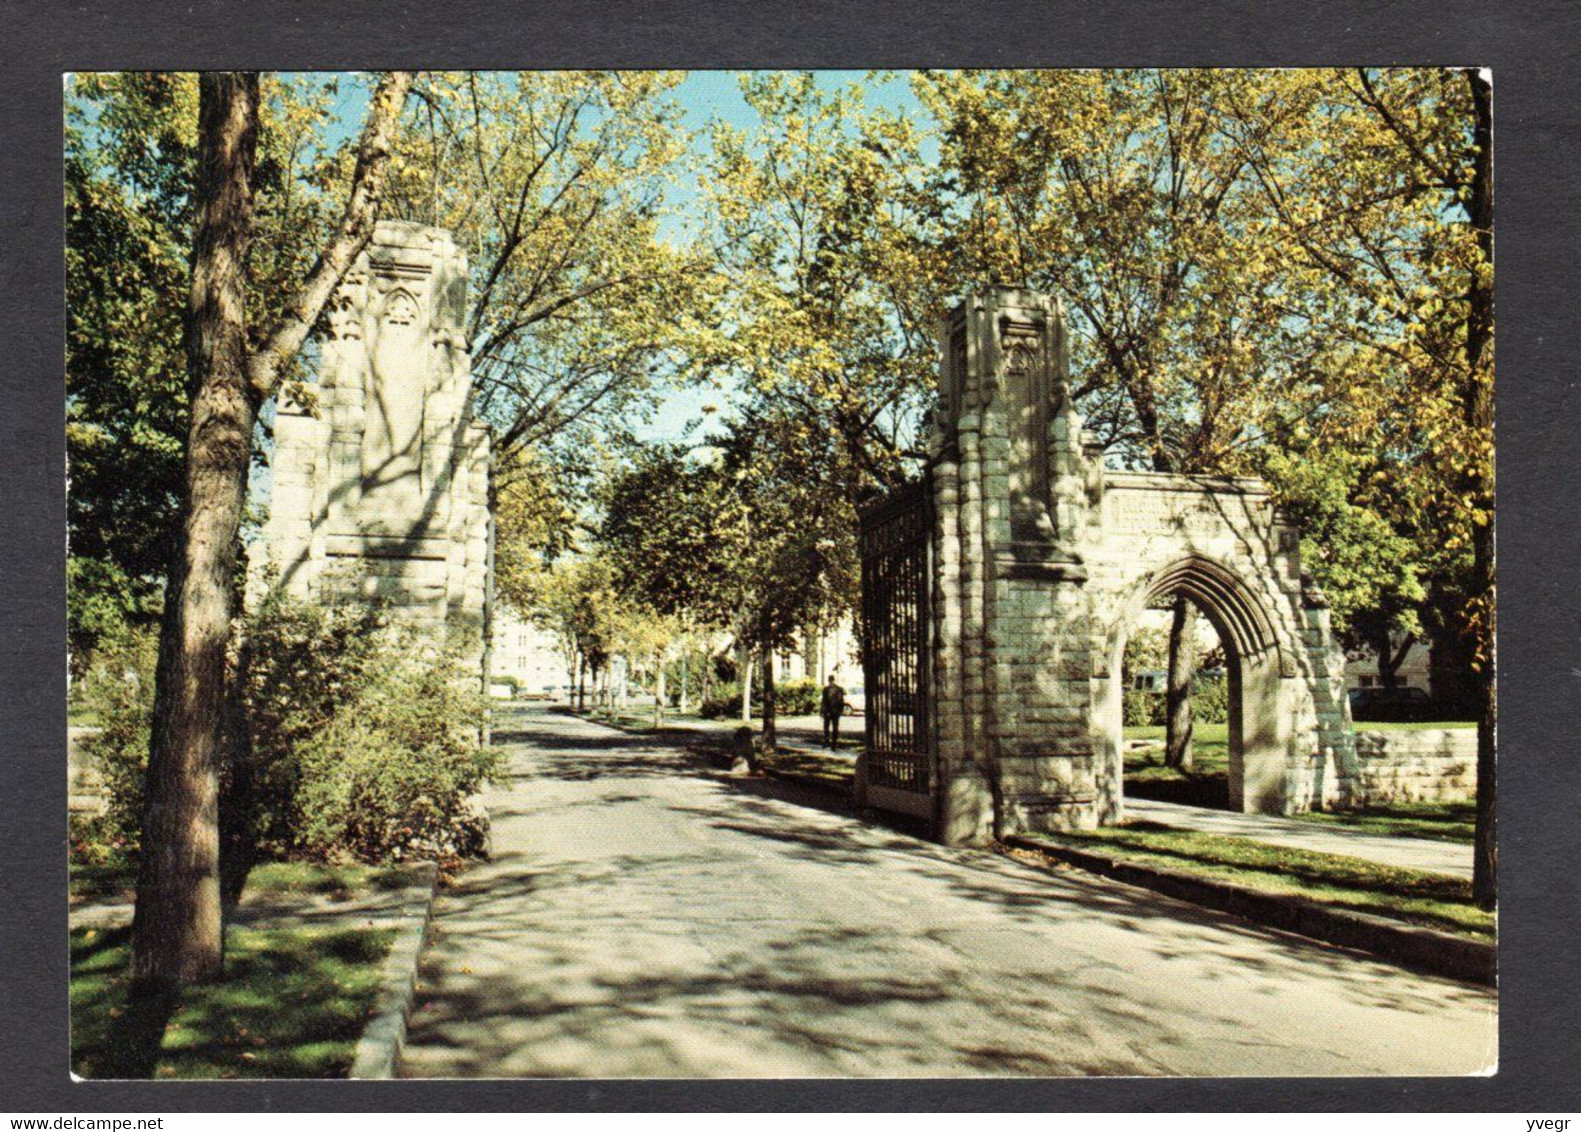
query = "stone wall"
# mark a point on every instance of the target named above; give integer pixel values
(380, 488)
(1411, 766)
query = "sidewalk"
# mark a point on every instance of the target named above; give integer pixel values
(1449, 857)
(802, 734)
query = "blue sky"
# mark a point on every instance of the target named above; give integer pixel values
(704, 96)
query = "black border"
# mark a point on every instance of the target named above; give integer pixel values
(1529, 46)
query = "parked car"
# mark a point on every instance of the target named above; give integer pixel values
(1390, 705)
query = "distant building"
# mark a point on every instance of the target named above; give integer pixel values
(530, 655)
(1361, 669)
(819, 655)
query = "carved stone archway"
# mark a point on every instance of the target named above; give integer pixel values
(1039, 561)
(1261, 676)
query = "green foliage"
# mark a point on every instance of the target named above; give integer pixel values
(1369, 570)
(793, 697)
(554, 183)
(1146, 650)
(1210, 703)
(1143, 709)
(534, 525)
(827, 313)
(355, 742)
(672, 533)
(300, 666)
(1126, 193)
(102, 601)
(118, 688)
(390, 777)
(797, 697)
(723, 702)
(130, 146)
(1210, 699)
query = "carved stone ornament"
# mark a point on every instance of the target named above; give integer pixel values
(1021, 344)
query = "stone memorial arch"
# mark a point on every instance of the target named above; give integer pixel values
(998, 594)
(381, 493)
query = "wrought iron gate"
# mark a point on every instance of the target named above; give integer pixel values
(896, 770)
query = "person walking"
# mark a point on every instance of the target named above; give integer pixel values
(833, 709)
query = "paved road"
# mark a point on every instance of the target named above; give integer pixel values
(645, 916)
(1451, 857)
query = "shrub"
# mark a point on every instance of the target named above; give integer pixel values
(1210, 699)
(118, 688)
(353, 741)
(390, 778)
(1143, 709)
(797, 697)
(791, 697)
(300, 666)
(723, 702)
(1210, 703)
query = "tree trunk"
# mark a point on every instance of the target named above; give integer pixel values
(177, 932)
(1177, 695)
(658, 697)
(1389, 657)
(176, 929)
(766, 667)
(683, 682)
(1479, 414)
(744, 654)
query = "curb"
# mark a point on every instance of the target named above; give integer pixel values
(1405, 944)
(379, 1048)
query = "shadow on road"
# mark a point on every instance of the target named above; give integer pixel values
(751, 927)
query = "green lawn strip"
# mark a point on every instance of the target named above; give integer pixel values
(1208, 784)
(274, 878)
(1436, 821)
(291, 1003)
(641, 722)
(820, 766)
(1210, 751)
(1412, 895)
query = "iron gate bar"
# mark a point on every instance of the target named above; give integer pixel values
(896, 544)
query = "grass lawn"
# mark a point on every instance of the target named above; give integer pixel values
(292, 1003)
(1437, 821)
(1418, 897)
(819, 766)
(1208, 784)
(283, 878)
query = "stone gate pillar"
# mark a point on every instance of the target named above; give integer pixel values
(1012, 659)
(380, 489)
